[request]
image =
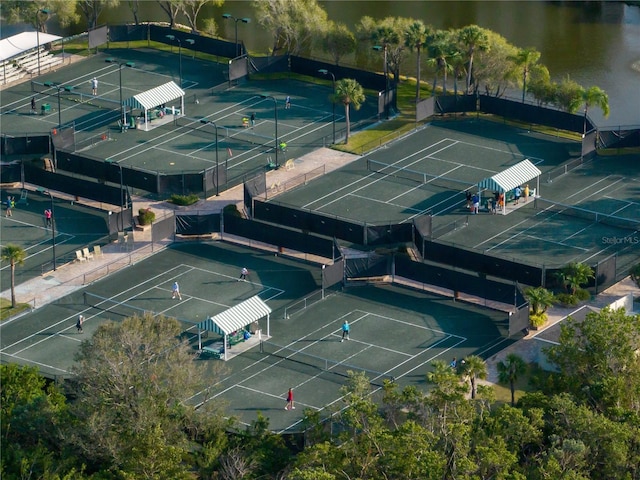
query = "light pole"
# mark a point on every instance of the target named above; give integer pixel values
(189, 41)
(204, 120)
(275, 114)
(324, 71)
(46, 12)
(378, 48)
(228, 16)
(53, 230)
(123, 117)
(59, 88)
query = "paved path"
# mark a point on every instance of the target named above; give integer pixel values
(73, 276)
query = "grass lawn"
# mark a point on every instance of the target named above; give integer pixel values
(6, 311)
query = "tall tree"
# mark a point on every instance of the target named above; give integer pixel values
(525, 59)
(91, 9)
(493, 68)
(351, 94)
(32, 412)
(292, 24)
(191, 10)
(15, 255)
(473, 38)
(338, 41)
(134, 6)
(132, 381)
(171, 8)
(598, 359)
(37, 12)
(415, 36)
(568, 95)
(474, 368)
(594, 96)
(440, 53)
(509, 371)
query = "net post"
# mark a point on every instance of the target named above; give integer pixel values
(84, 294)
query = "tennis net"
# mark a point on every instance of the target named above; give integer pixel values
(123, 309)
(297, 358)
(418, 177)
(68, 93)
(205, 128)
(590, 215)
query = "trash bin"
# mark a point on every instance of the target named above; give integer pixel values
(45, 108)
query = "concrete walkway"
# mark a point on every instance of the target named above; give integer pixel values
(70, 277)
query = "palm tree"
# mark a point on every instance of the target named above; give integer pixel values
(508, 372)
(526, 58)
(414, 38)
(597, 97)
(440, 53)
(15, 255)
(475, 368)
(540, 299)
(350, 93)
(575, 274)
(472, 38)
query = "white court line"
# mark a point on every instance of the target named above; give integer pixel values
(66, 319)
(384, 202)
(554, 242)
(349, 187)
(363, 315)
(97, 315)
(595, 192)
(172, 134)
(33, 362)
(577, 233)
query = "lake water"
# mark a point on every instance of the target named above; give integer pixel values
(596, 43)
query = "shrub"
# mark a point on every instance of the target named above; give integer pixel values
(184, 200)
(567, 299)
(146, 216)
(537, 320)
(232, 209)
(583, 294)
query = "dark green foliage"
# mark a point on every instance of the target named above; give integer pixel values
(566, 299)
(232, 209)
(184, 200)
(146, 216)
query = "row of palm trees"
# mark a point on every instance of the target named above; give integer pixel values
(454, 51)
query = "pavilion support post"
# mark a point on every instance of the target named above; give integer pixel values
(225, 346)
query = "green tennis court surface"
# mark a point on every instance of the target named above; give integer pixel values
(396, 332)
(76, 226)
(189, 144)
(428, 172)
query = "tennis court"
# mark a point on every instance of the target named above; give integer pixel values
(75, 226)
(428, 172)
(396, 332)
(214, 115)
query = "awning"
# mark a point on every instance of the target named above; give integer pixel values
(511, 178)
(155, 97)
(237, 317)
(23, 42)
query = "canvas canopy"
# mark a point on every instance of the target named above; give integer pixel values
(517, 175)
(162, 95)
(23, 42)
(235, 318)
